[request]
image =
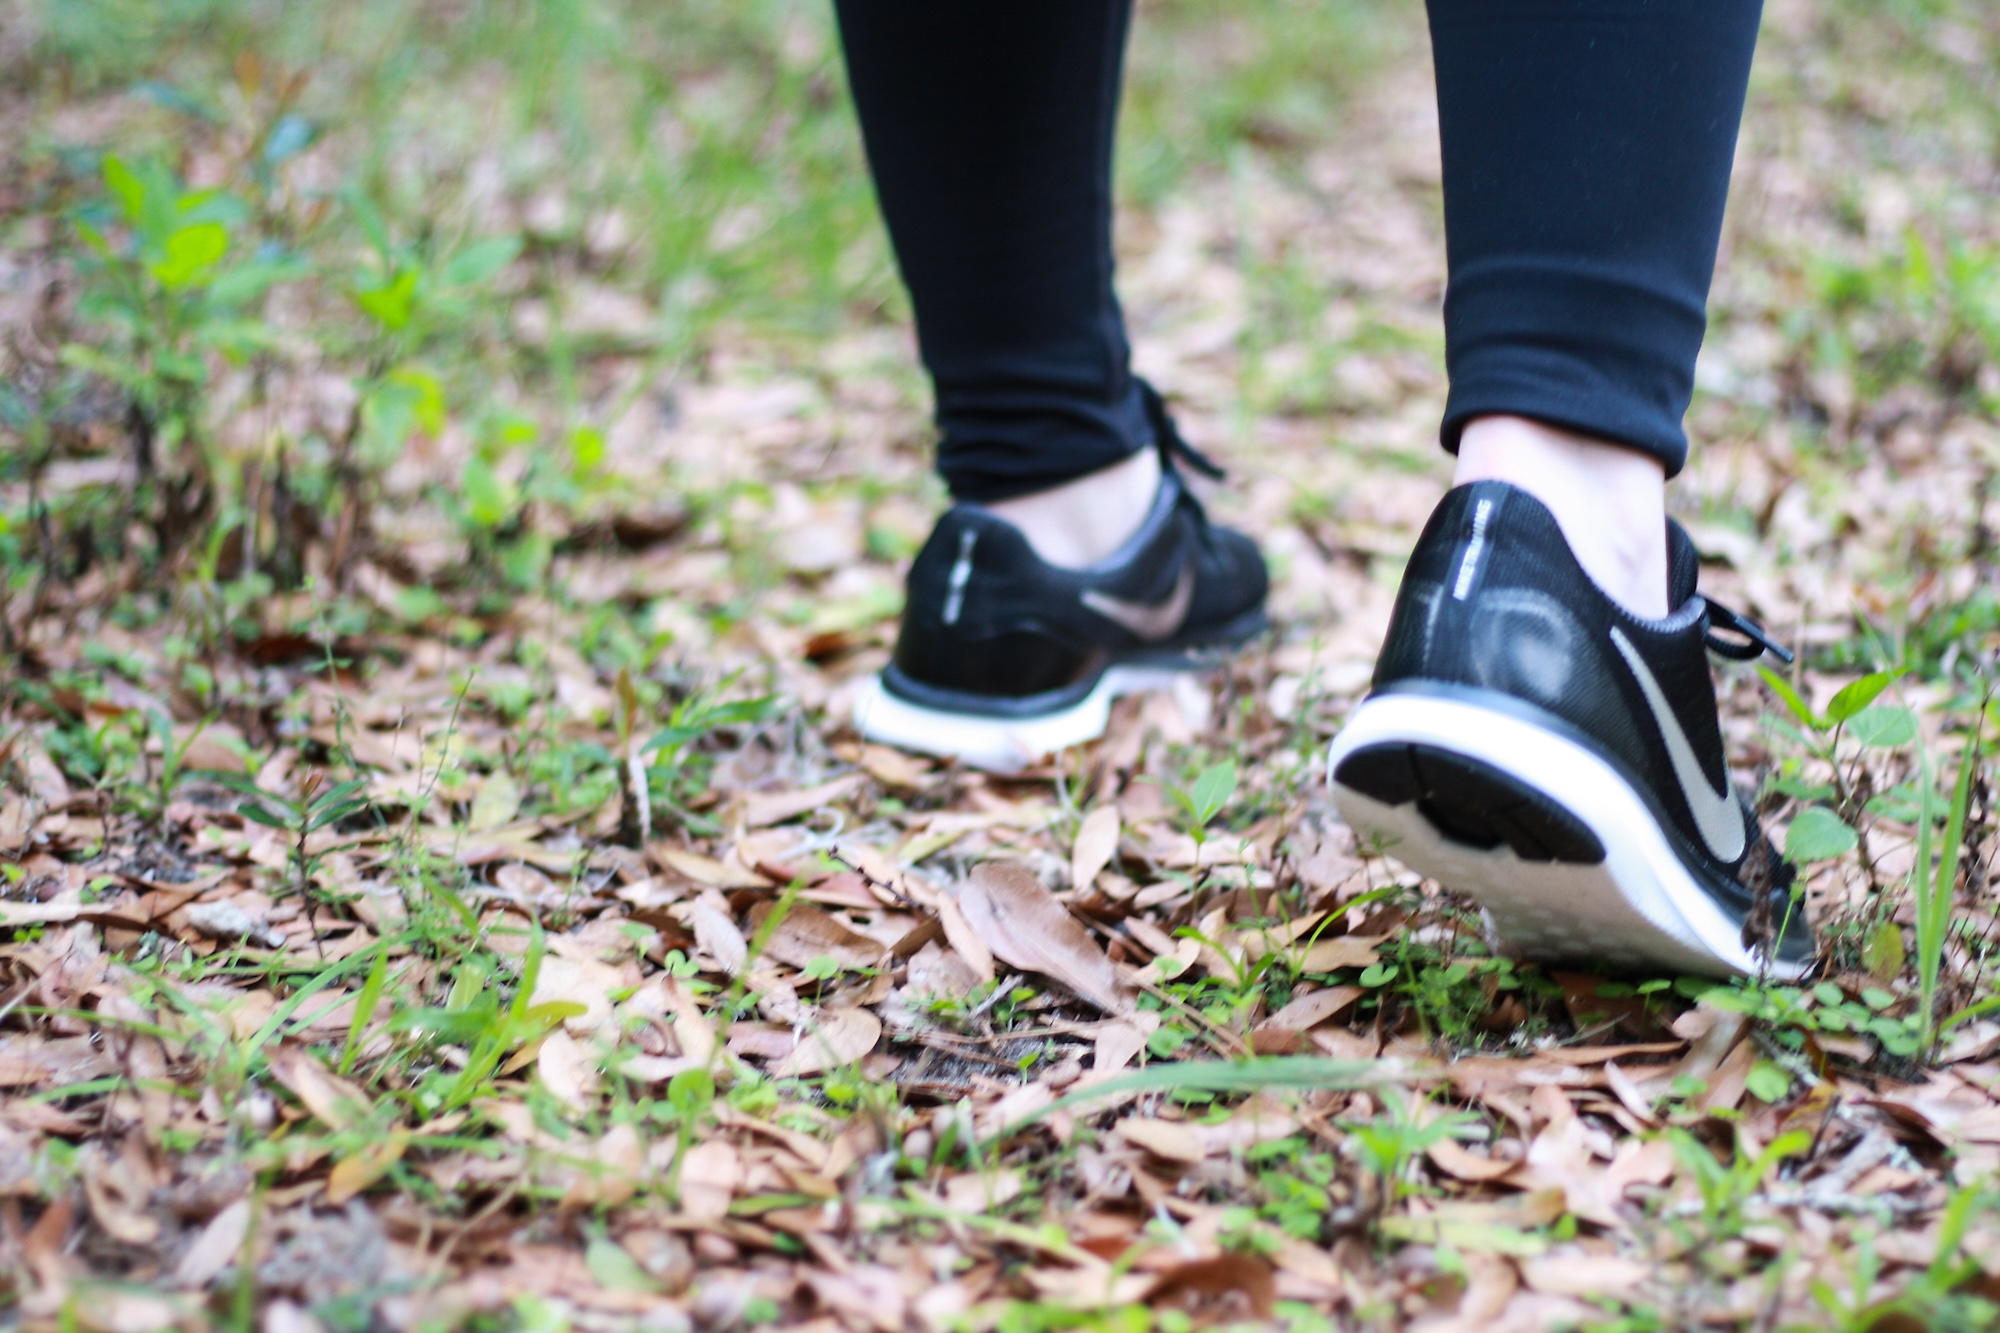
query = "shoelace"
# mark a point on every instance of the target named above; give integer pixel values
(1168, 437)
(1719, 617)
(1769, 877)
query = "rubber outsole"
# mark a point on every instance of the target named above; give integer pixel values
(1564, 857)
(999, 744)
(1470, 802)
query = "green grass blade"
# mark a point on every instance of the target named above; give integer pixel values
(1300, 1073)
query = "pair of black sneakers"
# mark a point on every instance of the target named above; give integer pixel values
(1527, 741)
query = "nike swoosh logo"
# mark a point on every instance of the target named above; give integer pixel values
(1150, 621)
(1716, 813)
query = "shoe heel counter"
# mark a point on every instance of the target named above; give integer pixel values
(952, 637)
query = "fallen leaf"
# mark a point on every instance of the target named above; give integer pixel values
(767, 808)
(1228, 1288)
(1490, 1228)
(1171, 1139)
(709, 1175)
(841, 1037)
(1309, 1010)
(355, 1173)
(1095, 843)
(964, 940)
(334, 1101)
(1027, 928)
(893, 768)
(1456, 1160)
(117, 1195)
(705, 870)
(566, 1070)
(717, 936)
(806, 933)
(940, 974)
(1341, 951)
(219, 1244)
(580, 981)
(498, 801)
(1118, 1044)
(1583, 1275)
(978, 1193)
(42, 914)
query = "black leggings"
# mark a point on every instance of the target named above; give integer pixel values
(1586, 160)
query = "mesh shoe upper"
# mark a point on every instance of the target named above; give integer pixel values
(989, 627)
(1493, 601)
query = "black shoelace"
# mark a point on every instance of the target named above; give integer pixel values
(1720, 617)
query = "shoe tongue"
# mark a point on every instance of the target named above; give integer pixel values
(1683, 566)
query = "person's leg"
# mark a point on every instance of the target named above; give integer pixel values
(1587, 146)
(1543, 732)
(989, 127)
(1075, 564)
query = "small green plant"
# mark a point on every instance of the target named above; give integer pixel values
(1936, 1299)
(1727, 1185)
(1792, 1012)
(1933, 882)
(166, 281)
(1820, 833)
(673, 773)
(316, 807)
(1201, 802)
(1390, 1143)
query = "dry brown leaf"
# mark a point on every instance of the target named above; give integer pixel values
(1228, 1288)
(964, 940)
(1171, 1139)
(334, 1101)
(14, 914)
(1325, 955)
(716, 935)
(841, 1037)
(1456, 1160)
(1118, 1044)
(117, 1190)
(692, 1028)
(1583, 1275)
(1309, 1010)
(567, 1070)
(709, 1174)
(767, 808)
(893, 768)
(353, 1174)
(1096, 842)
(806, 933)
(1027, 928)
(219, 1244)
(940, 973)
(978, 1193)
(705, 870)
(581, 981)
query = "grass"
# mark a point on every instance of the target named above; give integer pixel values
(487, 363)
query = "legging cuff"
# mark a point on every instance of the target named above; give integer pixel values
(1593, 352)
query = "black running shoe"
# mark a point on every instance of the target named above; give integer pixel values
(1003, 658)
(1531, 744)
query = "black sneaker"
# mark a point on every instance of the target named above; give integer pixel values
(1003, 658)
(1531, 744)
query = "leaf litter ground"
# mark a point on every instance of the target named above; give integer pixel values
(541, 966)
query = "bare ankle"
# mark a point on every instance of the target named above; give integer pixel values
(1610, 500)
(1081, 522)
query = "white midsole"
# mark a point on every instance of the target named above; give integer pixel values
(999, 744)
(1640, 905)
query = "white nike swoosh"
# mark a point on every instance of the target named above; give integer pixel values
(1716, 813)
(1150, 621)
